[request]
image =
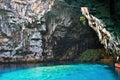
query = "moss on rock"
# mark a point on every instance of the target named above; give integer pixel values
(93, 55)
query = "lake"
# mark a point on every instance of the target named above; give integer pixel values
(50, 71)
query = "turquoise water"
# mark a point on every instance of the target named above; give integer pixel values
(60, 72)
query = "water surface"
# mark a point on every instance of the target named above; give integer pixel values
(57, 72)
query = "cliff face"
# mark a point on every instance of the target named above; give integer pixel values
(43, 30)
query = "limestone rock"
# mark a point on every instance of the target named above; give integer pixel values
(43, 30)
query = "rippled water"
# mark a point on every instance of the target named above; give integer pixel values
(58, 72)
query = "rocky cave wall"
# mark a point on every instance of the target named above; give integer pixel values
(44, 30)
(107, 31)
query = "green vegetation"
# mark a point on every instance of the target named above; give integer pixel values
(83, 19)
(93, 55)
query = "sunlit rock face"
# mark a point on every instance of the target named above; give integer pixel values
(108, 36)
(43, 30)
(20, 25)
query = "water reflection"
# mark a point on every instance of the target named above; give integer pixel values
(118, 76)
(118, 73)
(109, 72)
(7, 67)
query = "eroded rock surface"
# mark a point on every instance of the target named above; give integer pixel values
(111, 42)
(43, 30)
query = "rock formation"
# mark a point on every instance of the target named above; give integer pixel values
(110, 42)
(44, 30)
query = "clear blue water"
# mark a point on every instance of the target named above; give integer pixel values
(59, 72)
